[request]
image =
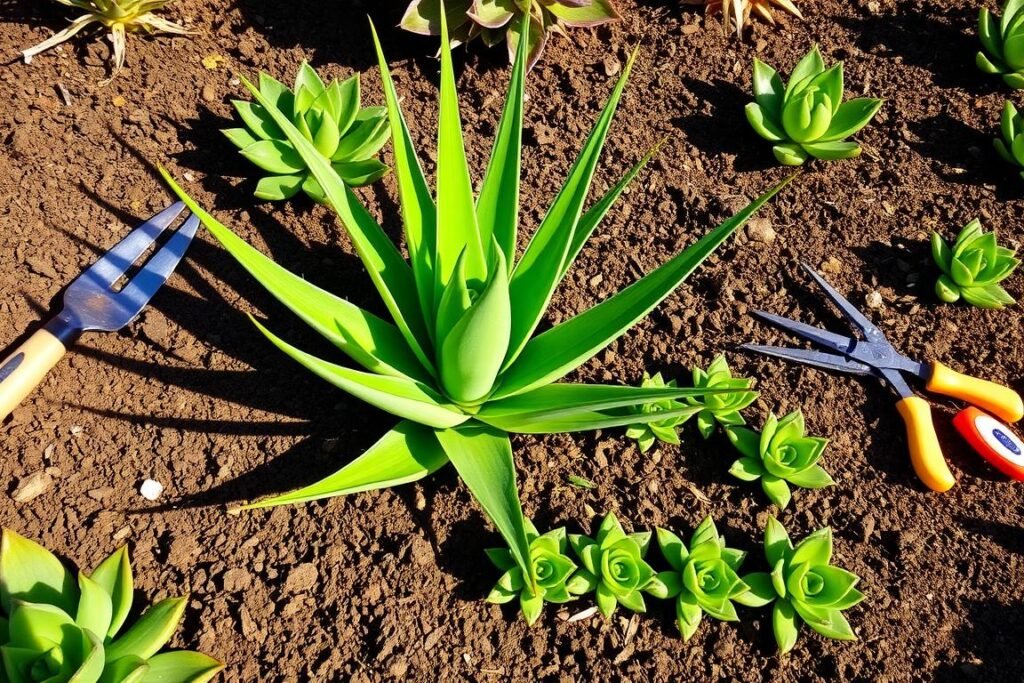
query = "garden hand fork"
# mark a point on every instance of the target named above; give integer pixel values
(92, 304)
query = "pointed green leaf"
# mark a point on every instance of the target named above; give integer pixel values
(419, 214)
(497, 209)
(407, 453)
(181, 667)
(30, 572)
(565, 347)
(258, 120)
(151, 632)
(95, 608)
(760, 590)
(540, 269)
(125, 670)
(399, 396)
(279, 187)
(566, 399)
(832, 151)
(482, 456)
(851, 117)
(584, 421)
(370, 341)
(115, 576)
(274, 156)
(785, 625)
(360, 173)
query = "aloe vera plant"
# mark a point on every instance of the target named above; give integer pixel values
(460, 363)
(973, 267)
(802, 586)
(329, 116)
(720, 408)
(62, 628)
(1010, 144)
(1002, 41)
(494, 21)
(702, 578)
(614, 567)
(551, 567)
(666, 429)
(779, 456)
(807, 117)
(119, 16)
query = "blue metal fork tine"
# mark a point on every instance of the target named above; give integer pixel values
(857, 319)
(120, 258)
(147, 281)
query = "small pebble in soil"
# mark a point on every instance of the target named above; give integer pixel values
(873, 299)
(151, 489)
(761, 230)
(32, 486)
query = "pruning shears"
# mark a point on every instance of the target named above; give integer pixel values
(874, 355)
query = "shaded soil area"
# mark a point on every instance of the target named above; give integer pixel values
(389, 586)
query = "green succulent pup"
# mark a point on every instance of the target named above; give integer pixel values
(614, 567)
(56, 627)
(807, 118)
(724, 408)
(973, 267)
(1010, 144)
(1002, 41)
(329, 116)
(666, 430)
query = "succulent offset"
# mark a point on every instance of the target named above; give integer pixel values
(119, 16)
(779, 456)
(1002, 40)
(720, 408)
(738, 12)
(62, 628)
(664, 430)
(328, 116)
(802, 586)
(552, 568)
(460, 364)
(494, 21)
(613, 567)
(973, 267)
(1010, 144)
(702, 578)
(807, 117)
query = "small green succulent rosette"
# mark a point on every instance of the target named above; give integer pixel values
(973, 267)
(779, 456)
(59, 628)
(329, 116)
(803, 585)
(1010, 144)
(724, 408)
(666, 431)
(807, 118)
(552, 571)
(1002, 41)
(614, 567)
(702, 578)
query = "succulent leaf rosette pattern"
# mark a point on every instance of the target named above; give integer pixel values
(552, 571)
(807, 117)
(328, 116)
(120, 17)
(779, 456)
(494, 21)
(1010, 144)
(613, 567)
(738, 12)
(802, 586)
(721, 408)
(56, 627)
(1002, 40)
(702, 578)
(973, 267)
(459, 363)
(665, 429)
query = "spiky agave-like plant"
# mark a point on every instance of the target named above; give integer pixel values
(738, 12)
(461, 365)
(120, 16)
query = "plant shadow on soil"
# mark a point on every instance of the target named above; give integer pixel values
(941, 41)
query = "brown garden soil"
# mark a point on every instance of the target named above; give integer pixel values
(389, 585)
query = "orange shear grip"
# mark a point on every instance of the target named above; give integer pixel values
(1001, 401)
(925, 452)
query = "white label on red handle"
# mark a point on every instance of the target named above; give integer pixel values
(1000, 439)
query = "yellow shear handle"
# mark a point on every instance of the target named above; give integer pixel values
(1003, 402)
(925, 452)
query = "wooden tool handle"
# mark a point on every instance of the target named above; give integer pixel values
(925, 451)
(23, 370)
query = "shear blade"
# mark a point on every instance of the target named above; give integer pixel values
(819, 359)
